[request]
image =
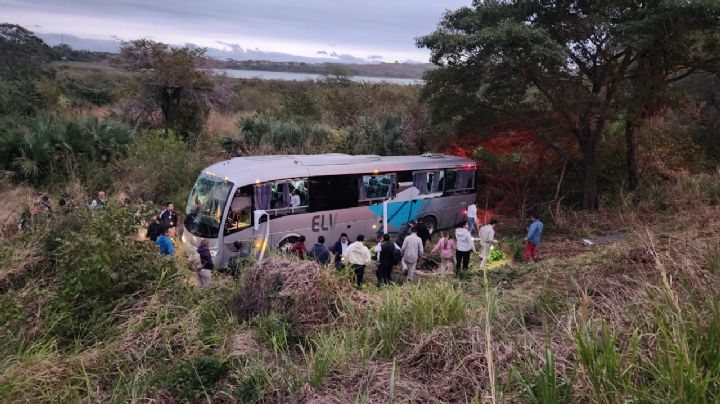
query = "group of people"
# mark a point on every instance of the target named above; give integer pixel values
(410, 249)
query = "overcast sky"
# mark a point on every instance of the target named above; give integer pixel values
(368, 29)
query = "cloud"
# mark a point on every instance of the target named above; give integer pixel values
(374, 57)
(378, 27)
(233, 46)
(321, 52)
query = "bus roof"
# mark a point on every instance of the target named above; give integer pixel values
(251, 170)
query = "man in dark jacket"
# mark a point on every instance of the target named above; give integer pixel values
(319, 252)
(423, 232)
(388, 251)
(339, 248)
(168, 217)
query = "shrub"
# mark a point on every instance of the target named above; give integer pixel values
(382, 136)
(274, 135)
(158, 168)
(99, 271)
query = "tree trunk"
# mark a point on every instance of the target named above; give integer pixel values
(588, 145)
(631, 143)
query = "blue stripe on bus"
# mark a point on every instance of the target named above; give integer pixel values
(401, 212)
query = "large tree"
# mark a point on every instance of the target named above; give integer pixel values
(566, 59)
(172, 80)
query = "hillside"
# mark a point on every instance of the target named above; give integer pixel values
(632, 320)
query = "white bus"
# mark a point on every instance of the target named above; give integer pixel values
(324, 194)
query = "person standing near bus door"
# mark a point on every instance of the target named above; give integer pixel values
(533, 238)
(487, 239)
(205, 272)
(358, 255)
(472, 218)
(465, 245)
(338, 249)
(412, 250)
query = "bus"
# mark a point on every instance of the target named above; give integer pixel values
(270, 201)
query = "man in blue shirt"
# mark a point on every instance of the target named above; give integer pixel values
(164, 242)
(533, 238)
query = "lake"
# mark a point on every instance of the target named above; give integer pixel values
(291, 76)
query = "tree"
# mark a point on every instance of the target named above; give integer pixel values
(564, 59)
(172, 80)
(674, 43)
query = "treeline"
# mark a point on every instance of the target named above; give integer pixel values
(583, 78)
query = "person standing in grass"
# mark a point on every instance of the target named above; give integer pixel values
(164, 241)
(168, 217)
(487, 239)
(338, 249)
(319, 252)
(446, 247)
(464, 247)
(472, 218)
(299, 248)
(388, 254)
(412, 251)
(533, 238)
(358, 255)
(205, 272)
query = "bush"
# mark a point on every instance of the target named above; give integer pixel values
(382, 136)
(158, 168)
(270, 134)
(99, 271)
(52, 148)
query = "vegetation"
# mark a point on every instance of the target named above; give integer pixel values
(90, 312)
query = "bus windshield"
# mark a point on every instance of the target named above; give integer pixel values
(205, 206)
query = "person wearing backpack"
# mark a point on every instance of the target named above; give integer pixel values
(446, 247)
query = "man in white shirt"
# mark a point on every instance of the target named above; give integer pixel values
(472, 217)
(487, 239)
(358, 255)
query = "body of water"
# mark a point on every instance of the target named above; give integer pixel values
(266, 75)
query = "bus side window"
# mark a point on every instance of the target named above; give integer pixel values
(333, 192)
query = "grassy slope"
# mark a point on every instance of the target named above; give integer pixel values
(634, 320)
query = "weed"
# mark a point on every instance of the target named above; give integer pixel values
(544, 385)
(194, 378)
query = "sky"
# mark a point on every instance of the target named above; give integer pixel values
(306, 30)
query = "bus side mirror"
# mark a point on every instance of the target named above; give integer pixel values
(257, 215)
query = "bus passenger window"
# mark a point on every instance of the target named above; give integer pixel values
(428, 182)
(373, 187)
(333, 192)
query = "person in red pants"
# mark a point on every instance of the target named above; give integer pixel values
(533, 238)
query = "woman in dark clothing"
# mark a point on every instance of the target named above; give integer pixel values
(204, 273)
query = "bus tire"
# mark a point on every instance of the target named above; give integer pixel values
(286, 243)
